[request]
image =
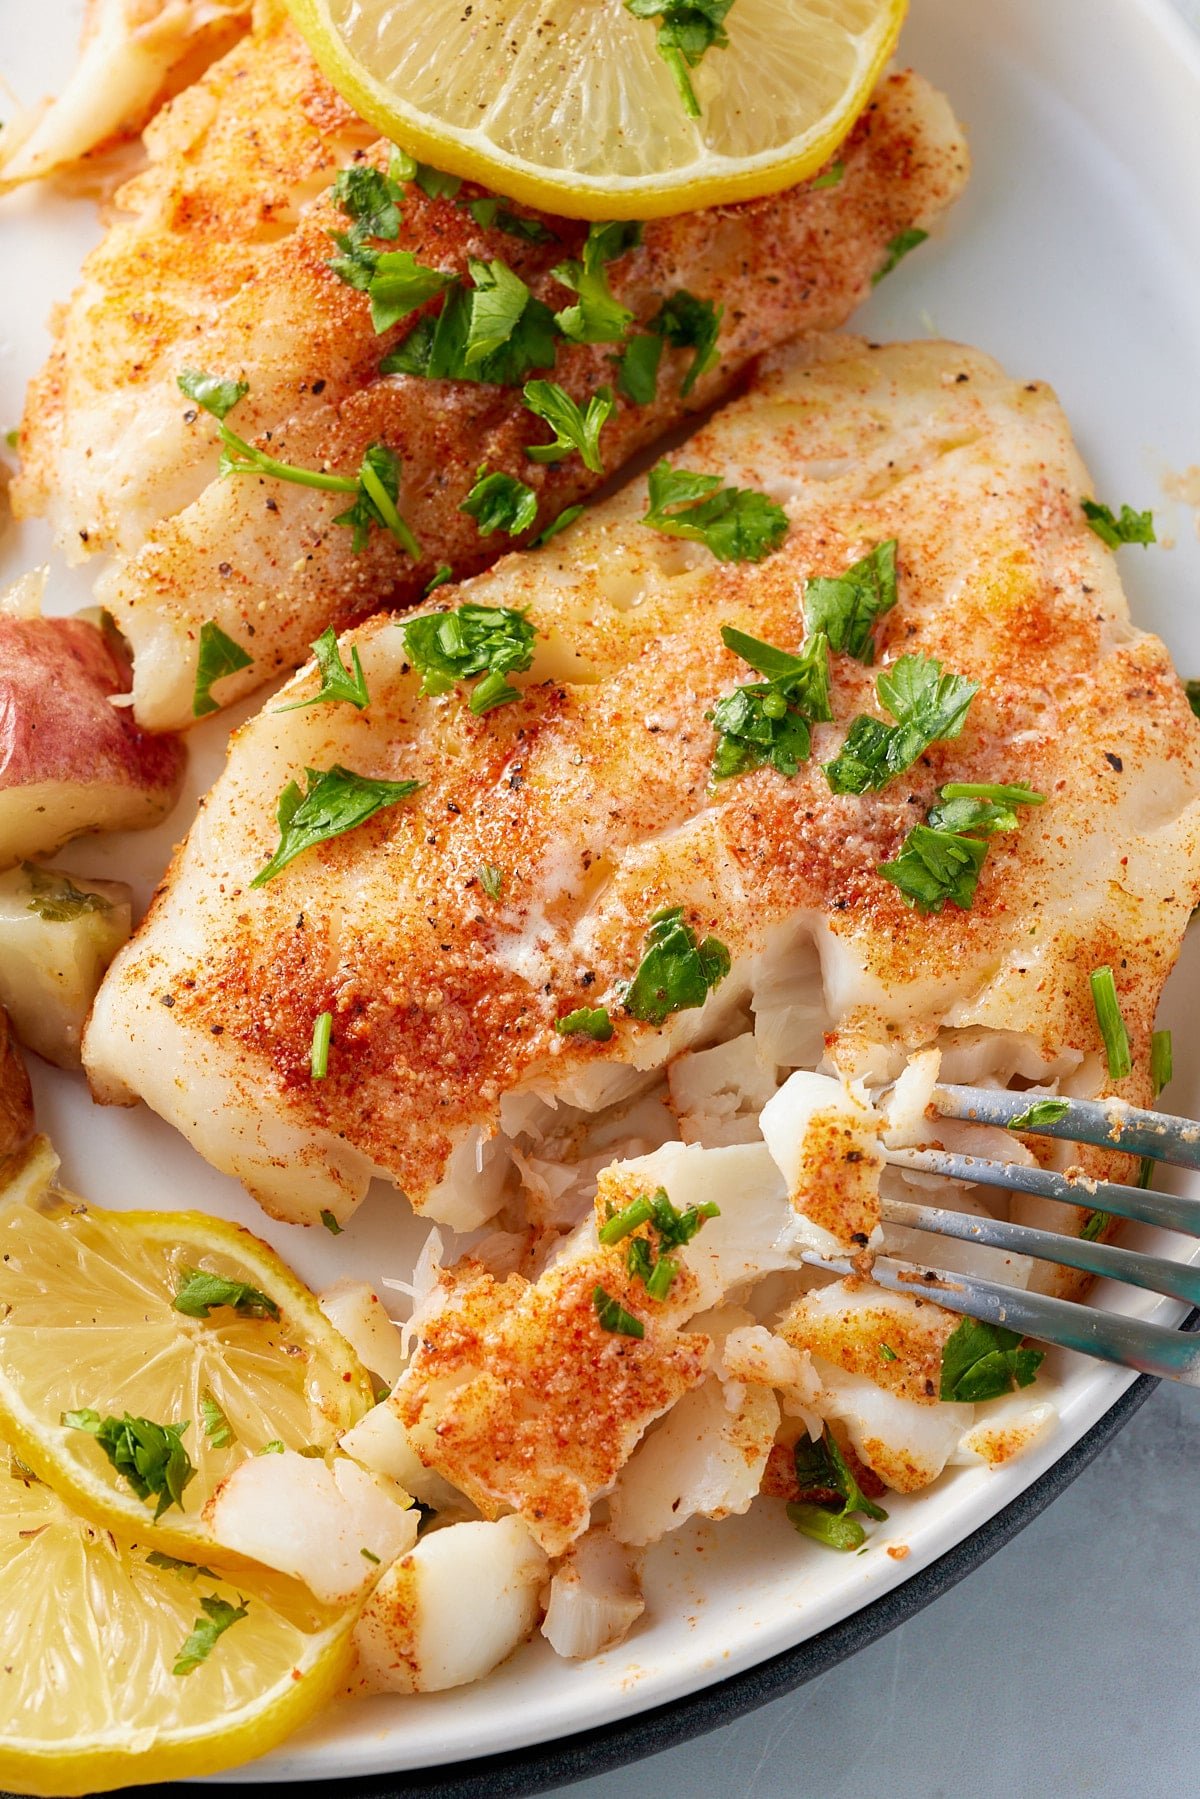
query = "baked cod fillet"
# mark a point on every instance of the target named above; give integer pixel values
(222, 263)
(447, 934)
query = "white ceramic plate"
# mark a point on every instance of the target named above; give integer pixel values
(1075, 257)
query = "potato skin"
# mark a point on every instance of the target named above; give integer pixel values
(71, 761)
(16, 1098)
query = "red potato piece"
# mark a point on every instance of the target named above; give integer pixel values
(71, 761)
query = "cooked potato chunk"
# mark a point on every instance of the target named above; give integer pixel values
(58, 934)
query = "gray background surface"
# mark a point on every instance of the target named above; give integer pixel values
(1068, 1665)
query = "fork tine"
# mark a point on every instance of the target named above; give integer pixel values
(1109, 1123)
(1178, 1280)
(1148, 1348)
(1170, 1211)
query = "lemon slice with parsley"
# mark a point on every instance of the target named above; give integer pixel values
(117, 1665)
(609, 108)
(143, 1355)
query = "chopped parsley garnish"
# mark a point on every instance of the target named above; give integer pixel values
(434, 183)
(217, 1427)
(199, 1645)
(637, 368)
(1162, 1061)
(830, 177)
(219, 656)
(200, 1290)
(897, 250)
(337, 800)
(1099, 1222)
(597, 317)
(500, 502)
(735, 523)
(768, 721)
(586, 1021)
(55, 897)
(339, 684)
(1038, 1113)
(646, 1262)
(941, 860)
(331, 1224)
(573, 429)
(274, 1447)
(1192, 689)
(846, 606)
(369, 1555)
(399, 284)
(440, 576)
(566, 517)
(682, 321)
(614, 1317)
(489, 213)
(318, 1056)
(171, 1564)
(888, 1353)
(982, 1361)
(1128, 527)
(373, 490)
(491, 879)
(151, 1457)
(929, 706)
(493, 330)
(687, 28)
(1111, 1023)
(491, 642)
(828, 1517)
(676, 974)
(371, 198)
(936, 866)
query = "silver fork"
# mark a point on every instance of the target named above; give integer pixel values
(1111, 1124)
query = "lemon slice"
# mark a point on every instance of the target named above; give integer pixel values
(89, 1331)
(91, 1633)
(568, 104)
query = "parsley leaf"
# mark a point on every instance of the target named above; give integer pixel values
(200, 1290)
(982, 806)
(498, 310)
(337, 800)
(929, 706)
(491, 879)
(399, 284)
(586, 1021)
(830, 177)
(897, 250)
(614, 1317)
(338, 684)
(566, 517)
(936, 866)
(1130, 527)
(490, 212)
(434, 183)
(828, 1517)
(331, 1224)
(573, 429)
(675, 974)
(688, 28)
(500, 502)
(376, 492)
(646, 1262)
(369, 197)
(55, 897)
(150, 1456)
(171, 1564)
(448, 647)
(211, 392)
(769, 721)
(1038, 1113)
(637, 368)
(846, 606)
(736, 523)
(687, 323)
(1161, 1060)
(199, 1645)
(217, 1427)
(219, 656)
(1192, 689)
(373, 491)
(318, 1054)
(981, 1361)
(597, 317)
(1111, 1023)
